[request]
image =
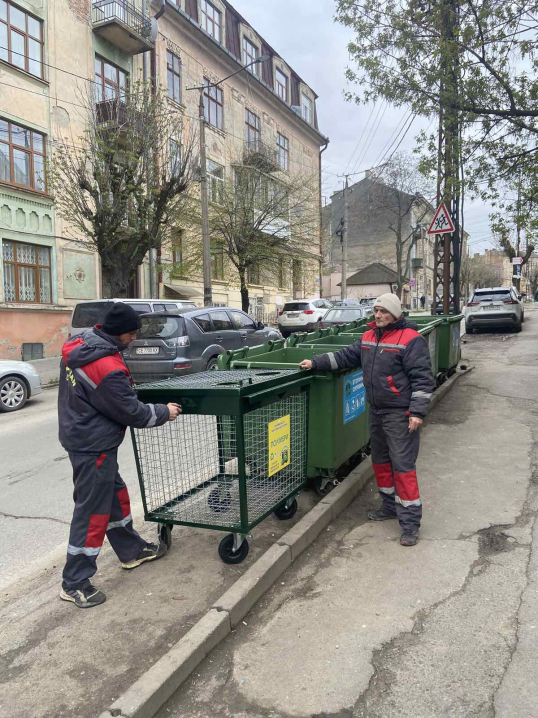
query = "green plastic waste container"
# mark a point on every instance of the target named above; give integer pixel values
(236, 454)
(338, 411)
(449, 340)
(429, 329)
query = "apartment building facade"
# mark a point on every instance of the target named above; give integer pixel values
(50, 52)
(372, 240)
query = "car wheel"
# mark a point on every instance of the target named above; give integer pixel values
(13, 393)
(468, 329)
(518, 328)
(212, 364)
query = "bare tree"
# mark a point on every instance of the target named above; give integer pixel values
(477, 272)
(122, 186)
(261, 219)
(397, 192)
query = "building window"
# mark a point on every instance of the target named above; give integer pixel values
(21, 39)
(110, 82)
(250, 53)
(26, 273)
(281, 273)
(253, 274)
(281, 85)
(211, 20)
(174, 157)
(215, 179)
(252, 130)
(217, 261)
(306, 108)
(173, 74)
(177, 249)
(22, 156)
(213, 104)
(283, 146)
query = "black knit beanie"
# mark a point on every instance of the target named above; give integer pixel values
(120, 319)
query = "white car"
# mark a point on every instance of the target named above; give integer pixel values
(302, 315)
(494, 307)
(18, 382)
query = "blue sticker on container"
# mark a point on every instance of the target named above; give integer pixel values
(354, 396)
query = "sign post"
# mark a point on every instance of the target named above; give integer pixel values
(442, 224)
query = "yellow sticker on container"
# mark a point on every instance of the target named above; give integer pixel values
(279, 444)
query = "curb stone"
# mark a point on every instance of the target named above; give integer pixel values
(154, 687)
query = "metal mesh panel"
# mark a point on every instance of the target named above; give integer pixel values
(240, 377)
(189, 468)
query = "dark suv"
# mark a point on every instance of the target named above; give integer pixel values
(187, 341)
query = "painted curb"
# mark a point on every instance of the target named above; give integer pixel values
(148, 694)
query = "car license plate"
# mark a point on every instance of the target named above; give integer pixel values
(293, 314)
(147, 350)
(492, 307)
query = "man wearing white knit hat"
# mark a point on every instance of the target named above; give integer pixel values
(399, 383)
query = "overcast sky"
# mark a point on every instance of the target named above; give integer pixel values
(303, 32)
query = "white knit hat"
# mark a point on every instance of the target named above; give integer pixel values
(391, 303)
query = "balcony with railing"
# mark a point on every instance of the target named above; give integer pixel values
(123, 25)
(261, 156)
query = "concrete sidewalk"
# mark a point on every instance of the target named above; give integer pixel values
(360, 627)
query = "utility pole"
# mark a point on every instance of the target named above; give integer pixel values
(448, 247)
(148, 184)
(343, 283)
(517, 268)
(206, 239)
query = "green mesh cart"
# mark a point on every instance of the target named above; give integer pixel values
(236, 454)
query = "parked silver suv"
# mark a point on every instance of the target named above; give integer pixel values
(494, 307)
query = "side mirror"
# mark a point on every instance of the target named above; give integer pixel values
(260, 325)
(519, 297)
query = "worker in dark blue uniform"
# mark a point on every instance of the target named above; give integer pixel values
(96, 403)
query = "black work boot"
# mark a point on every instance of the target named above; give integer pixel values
(151, 553)
(381, 514)
(409, 537)
(83, 597)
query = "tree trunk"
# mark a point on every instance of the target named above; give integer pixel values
(244, 291)
(399, 275)
(117, 279)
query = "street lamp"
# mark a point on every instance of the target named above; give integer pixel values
(206, 243)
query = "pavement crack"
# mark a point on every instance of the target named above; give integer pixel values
(36, 518)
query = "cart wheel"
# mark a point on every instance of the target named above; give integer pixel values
(323, 486)
(219, 502)
(283, 513)
(227, 553)
(165, 534)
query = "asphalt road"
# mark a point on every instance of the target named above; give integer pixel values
(36, 486)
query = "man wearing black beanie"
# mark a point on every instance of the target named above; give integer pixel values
(96, 402)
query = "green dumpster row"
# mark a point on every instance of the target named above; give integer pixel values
(338, 411)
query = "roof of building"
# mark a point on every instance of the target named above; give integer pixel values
(375, 273)
(231, 45)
